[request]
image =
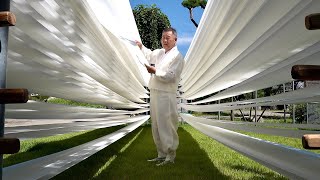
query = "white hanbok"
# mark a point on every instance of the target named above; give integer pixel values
(163, 87)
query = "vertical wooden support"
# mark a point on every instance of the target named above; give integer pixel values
(4, 6)
(255, 108)
(284, 106)
(293, 107)
(219, 114)
(232, 112)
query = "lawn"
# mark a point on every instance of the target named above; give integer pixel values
(198, 157)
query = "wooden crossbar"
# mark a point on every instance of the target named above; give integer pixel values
(9, 145)
(7, 19)
(312, 21)
(305, 72)
(8, 96)
(311, 141)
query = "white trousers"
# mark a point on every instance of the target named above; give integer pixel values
(164, 117)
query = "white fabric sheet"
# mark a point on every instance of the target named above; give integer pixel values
(238, 41)
(60, 48)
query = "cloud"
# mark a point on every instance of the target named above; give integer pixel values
(185, 40)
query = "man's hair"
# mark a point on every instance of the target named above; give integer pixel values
(170, 29)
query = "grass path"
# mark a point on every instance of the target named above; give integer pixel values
(198, 157)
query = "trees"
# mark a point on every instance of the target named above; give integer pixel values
(191, 4)
(150, 22)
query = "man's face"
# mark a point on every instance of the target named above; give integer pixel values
(168, 40)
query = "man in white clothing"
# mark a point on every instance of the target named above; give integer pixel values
(168, 64)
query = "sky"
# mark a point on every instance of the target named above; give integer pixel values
(178, 17)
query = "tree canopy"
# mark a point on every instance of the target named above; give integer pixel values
(191, 4)
(150, 22)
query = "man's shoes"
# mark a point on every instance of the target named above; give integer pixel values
(165, 162)
(156, 159)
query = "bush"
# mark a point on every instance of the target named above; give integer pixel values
(300, 112)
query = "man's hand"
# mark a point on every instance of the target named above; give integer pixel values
(151, 69)
(139, 44)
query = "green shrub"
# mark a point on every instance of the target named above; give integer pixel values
(300, 112)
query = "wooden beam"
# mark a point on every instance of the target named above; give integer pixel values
(8, 96)
(311, 141)
(9, 145)
(261, 114)
(7, 19)
(305, 72)
(312, 21)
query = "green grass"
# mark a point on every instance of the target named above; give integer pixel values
(55, 100)
(34, 148)
(293, 142)
(282, 127)
(73, 103)
(198, 157)
(278, 120)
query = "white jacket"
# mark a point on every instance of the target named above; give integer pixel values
(168, 68)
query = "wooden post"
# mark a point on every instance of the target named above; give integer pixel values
(284, 106)
(255, 108)
(232, 113)
(219, 111)
(4, 7)
(261, 114)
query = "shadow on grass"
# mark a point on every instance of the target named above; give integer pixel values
(259, 174)
(117, 162)
(55, 144)
(87, 169)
